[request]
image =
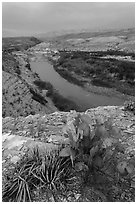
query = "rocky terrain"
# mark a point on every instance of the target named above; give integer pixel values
(111, 177)
(95, 149)
(20, 95)
(120, 40)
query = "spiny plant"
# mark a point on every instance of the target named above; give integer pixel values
(18, 188)
(130, 106)
(54, 172)
(34, 171)
(79, 134)
(90, 142)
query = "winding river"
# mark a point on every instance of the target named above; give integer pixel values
(68, 90)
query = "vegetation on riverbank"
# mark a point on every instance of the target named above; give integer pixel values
(67, 75)
(110, 73)
(20, 97)
(63, 104)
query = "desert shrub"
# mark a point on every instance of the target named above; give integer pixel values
(3, 68)
(101, 82)
(126, 69)
(17, 70)
(16, 48)
(90, 61)
(63, 104)
(131, 82)
(34, 171)
(128, 90)
(60, 102)
(37, 97)
(68, 76)
(130, 106)
(87, 67)
(28, 66)
(36, 74)
(43, 85)
(35, 40)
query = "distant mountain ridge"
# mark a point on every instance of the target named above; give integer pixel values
(84, 33)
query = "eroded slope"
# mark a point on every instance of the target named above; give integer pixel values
(20, 95)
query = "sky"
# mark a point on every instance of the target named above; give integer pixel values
(30, 18)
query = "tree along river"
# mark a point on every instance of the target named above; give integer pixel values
(77, 94)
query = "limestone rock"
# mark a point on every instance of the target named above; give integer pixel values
(46, 132)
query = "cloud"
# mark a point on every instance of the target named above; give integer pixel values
(50, 16)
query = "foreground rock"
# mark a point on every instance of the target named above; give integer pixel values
(116, 183)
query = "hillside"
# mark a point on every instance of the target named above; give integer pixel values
(120, 40)
(52, 152)
(20, 95)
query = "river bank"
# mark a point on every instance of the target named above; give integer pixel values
(59, 93)
(109, 77)
(62, 103)
(82, 98)
(20, 97)
(75, 87)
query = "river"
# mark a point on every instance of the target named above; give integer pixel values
(68, 90)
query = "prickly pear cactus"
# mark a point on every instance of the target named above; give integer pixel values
(94, 144)
(79, 133)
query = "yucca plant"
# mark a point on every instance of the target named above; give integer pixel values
(48, 171)
(18, 189)
(54, 172)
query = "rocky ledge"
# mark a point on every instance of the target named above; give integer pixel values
(110, 177)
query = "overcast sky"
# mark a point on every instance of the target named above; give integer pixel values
(32, 18)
